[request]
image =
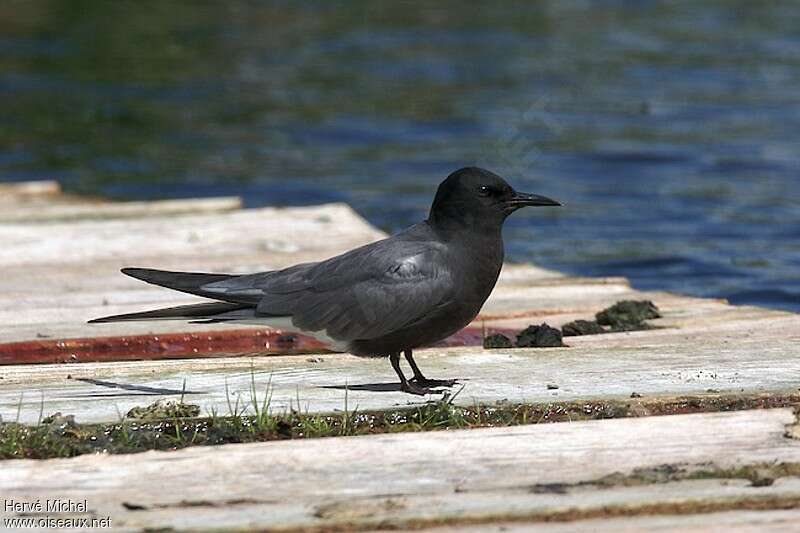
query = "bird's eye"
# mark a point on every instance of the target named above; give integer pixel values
(485, 190)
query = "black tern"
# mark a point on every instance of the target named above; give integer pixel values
(382, 299)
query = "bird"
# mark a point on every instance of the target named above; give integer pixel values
(382, 299)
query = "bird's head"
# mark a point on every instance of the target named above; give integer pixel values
(475, 198)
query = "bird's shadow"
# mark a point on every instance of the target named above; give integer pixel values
(135, 390)
(372, 387)
(386, 387)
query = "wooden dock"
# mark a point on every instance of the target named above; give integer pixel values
(60, 261)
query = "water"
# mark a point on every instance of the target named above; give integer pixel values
(670, 130)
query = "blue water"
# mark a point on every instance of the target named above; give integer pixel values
(671, 131)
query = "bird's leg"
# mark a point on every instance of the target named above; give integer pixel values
(420, 379)
(405, 386)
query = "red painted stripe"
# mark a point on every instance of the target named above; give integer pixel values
(162, 346)
(225, 343)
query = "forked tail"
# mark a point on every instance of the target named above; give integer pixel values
(210, 311)
(189, 282)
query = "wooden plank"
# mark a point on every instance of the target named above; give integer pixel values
(107, 210)
(15, 190)
(201, 344)
(43, 201)
(164, 346)
(782, 521)
(748, 358)
(231, 239)
(536, 473)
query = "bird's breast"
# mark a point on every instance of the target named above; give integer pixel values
(474, 278)
(478, 268)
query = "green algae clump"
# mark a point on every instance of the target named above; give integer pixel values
(542, 336)
(164, 410)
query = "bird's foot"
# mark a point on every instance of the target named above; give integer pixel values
(415, 388)
(425, 382)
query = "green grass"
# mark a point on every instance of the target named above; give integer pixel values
(161, 426)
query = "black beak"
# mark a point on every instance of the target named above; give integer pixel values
(523, 199)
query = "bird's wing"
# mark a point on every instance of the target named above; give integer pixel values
(363, 294)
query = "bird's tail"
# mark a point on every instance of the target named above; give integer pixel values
(202, 312)
(189, 282)
(192, 283)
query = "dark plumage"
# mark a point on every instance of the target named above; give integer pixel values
(391, 296)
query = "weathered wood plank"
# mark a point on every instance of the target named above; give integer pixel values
(602, 366)
(106, 210)
(535, 473)
(731, 521)
(269, 234)
(159, 346)
(10, 192)
(43, 201)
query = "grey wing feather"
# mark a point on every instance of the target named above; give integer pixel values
(254, 287)
(363, 294)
